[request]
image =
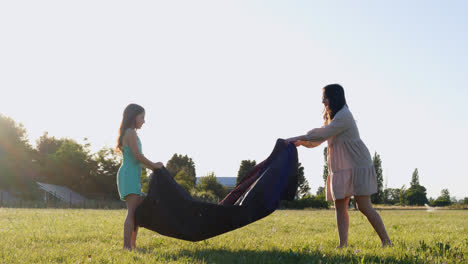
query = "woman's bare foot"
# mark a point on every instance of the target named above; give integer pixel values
(387, 243)
(342, 246)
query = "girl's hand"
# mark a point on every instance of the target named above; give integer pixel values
(158, 165)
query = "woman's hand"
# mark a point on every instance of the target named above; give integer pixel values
(158, 165)
(299, 143)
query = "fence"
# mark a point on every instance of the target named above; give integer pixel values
(96, 202)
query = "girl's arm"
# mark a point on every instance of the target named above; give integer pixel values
(336, 126)
(132, 143)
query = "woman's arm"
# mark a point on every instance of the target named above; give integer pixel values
(308, 144)
(133, 144)
(336, 126)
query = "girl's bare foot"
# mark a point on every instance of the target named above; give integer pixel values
(127, 248)
(342, 246)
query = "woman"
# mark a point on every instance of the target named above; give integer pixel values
(351, 171)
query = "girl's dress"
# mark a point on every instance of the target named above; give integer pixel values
(350, 167)
(128, 176)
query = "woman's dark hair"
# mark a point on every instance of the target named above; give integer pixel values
(128, 121)
(336, 98)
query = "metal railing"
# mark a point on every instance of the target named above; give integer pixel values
(96, 202)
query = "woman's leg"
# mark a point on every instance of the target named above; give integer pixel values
(135, 231)
(342, 220)
(364, 205)
(132, 202)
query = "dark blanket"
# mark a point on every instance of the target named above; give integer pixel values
(169, 210)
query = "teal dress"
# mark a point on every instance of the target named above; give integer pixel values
(128, 176)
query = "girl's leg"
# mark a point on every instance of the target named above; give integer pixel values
(135, 232)
(342, 220)
(132, 202)
(133, 240)
(365, 206)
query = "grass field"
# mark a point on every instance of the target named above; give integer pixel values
(309, 236)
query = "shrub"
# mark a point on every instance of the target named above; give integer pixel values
(308, 201)
(206, 196)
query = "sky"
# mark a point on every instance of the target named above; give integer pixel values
(222, 80)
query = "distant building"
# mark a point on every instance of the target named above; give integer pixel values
(51, 191)
(6, 196)
(228, 182)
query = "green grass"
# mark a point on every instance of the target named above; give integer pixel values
(309, 236)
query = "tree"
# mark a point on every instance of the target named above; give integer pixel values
(72, 166)
(416, 194)
(325, 167)
(48, 145)
(465, 200)
(145, 180)
(303, 185)
(391, 195)
(184, 180)
(107, 164)
(16, 159)
(415, 178)
(65, 162)
(444, 194)
(443, 199)
(378, 197)
(431, 201)
(178, 163)
(245, 167)
(209, 183)
(320, 191)
(12, 135)
(402, 197)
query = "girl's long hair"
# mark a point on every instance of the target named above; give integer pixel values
(336, 99)
(128, 121)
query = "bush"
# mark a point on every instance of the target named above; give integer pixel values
(441, 202)
(443, 199)
(205, 196)
(416, 195)
(209, 183)
(308, 201)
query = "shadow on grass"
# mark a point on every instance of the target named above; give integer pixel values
(276, 256)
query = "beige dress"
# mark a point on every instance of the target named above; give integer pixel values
(350, 168)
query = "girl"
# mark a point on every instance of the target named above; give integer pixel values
(351, 171)
(128, 176)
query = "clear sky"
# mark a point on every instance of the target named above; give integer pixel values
(222, 80)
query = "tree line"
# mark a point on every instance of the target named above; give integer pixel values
(65, 162)
(414, 195)
(59, 161)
